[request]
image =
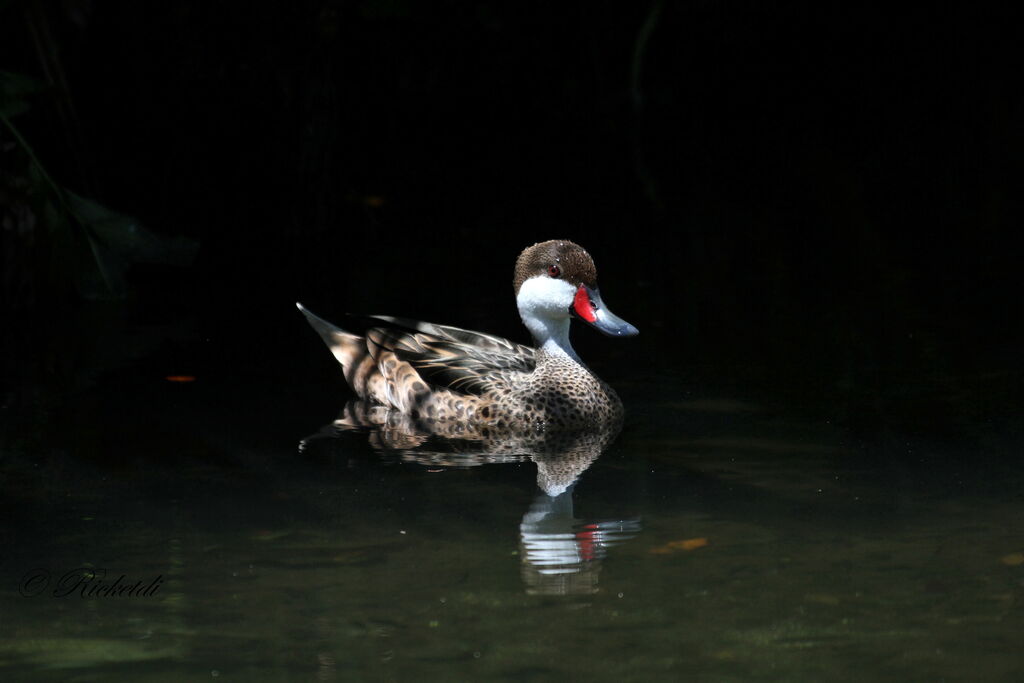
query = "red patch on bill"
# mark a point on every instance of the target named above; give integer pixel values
(582, 306)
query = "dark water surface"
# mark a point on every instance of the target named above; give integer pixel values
(736, 530)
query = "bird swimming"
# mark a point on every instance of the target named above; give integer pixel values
(442, 374)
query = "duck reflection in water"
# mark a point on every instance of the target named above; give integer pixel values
(560, 554)
(500, 400)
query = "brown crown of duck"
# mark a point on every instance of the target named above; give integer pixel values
(556, 258)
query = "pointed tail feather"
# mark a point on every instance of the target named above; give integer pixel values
(343, 345)
(350, 349)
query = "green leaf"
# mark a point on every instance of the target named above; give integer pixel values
(127, 239)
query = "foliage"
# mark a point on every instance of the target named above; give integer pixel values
(54, 239)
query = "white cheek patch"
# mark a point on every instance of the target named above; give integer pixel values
(545, 297)
(544, 307)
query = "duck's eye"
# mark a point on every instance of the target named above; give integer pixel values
(554, 271)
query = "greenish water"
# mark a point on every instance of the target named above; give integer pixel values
(727, 534)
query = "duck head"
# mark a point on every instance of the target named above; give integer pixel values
(556, 281)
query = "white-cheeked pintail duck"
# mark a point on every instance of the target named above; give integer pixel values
(437, 373)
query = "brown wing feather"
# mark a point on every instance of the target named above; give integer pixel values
(457, 334)
(389, 364)
(442, 360)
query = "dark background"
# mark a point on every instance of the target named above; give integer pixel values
(814, 198)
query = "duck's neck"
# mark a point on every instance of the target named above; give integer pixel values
(551, 336)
